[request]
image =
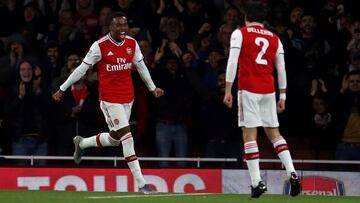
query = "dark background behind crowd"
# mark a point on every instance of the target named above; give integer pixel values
(185, 44)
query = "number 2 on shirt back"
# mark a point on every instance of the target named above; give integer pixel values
(264, 43)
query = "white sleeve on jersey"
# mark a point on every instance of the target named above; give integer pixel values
(75, 76)
(138, 61)
(138, 56)
(94, 54)
(235, 48)
(280, 66)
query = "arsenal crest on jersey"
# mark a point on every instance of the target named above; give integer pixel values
(128, 51)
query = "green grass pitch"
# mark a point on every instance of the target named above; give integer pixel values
(22, 196)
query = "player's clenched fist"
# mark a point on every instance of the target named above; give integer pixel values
(57, 95)
(228, 100)
(158, 92)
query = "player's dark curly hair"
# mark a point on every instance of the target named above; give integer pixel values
(255, 12)
(118, 14)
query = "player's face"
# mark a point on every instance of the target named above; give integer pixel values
(119, 28)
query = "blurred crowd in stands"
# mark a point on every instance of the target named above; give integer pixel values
(185, 44)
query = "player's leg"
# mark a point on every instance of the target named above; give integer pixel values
(252, 154)
(127, 142)
(281, 148)
(252, 157)
(270, 123)
(283, 153)
(102, 139)
(117, 117)
(248, 115)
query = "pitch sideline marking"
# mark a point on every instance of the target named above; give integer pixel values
(155, 195)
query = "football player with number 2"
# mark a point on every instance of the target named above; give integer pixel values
(256, 51)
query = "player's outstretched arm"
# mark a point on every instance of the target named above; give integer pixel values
(78, 73)
(145, 76)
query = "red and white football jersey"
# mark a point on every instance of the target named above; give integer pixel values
(114, 61)
(256, 61)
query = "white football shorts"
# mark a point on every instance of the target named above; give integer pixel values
(257, 109)
(116, 115)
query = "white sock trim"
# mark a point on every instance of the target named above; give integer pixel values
(251, 147)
